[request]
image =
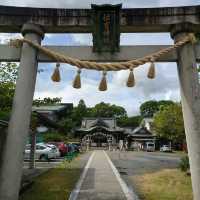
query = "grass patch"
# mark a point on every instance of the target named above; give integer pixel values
(55, 184)
(167, 184)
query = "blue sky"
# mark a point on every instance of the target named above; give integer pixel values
(164, 86)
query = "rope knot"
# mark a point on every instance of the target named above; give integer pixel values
(192, 38)
(152, 59)
(16, 43)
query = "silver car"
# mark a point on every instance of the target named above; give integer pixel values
(42, 152)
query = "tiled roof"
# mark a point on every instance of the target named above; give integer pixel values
(99, 122)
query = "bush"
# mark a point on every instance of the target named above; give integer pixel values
(184, 164)
(4, 115)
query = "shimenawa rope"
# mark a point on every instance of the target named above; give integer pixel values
(104, 66)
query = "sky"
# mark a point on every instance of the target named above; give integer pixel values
(164, 86)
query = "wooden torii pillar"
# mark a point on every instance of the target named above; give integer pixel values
(12, 160)
(190, 100)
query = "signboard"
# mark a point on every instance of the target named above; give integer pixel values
(106, 24)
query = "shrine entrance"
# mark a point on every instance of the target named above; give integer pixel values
(100, 132)
(99, 140)
(105, 22)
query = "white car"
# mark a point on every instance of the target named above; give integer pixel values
(42, 151)
(56, 150)
(165, 148)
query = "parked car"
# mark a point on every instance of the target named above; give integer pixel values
(56, 150)
(150, 146)
(78, 144)
(63, 148)
(74, 147)
(165, 148)
(42, 152)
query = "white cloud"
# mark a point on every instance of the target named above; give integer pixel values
(145, 38)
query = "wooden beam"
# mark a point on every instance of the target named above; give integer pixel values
(80, 20)
(11, 54)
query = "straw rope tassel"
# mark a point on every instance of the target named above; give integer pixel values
(103, 83)
(152, 72)
(56, 74)
(77, 80)
(131, 79)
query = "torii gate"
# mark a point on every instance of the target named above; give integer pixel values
(33, 23)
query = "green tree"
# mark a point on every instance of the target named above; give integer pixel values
(47, 101)
(67, 125)
(8, 72)
(99, 110)
(168, 123)
(8, 76)
(79, 112)
(133, 121)
(6, 96)
(118, 111)
(82, 106)
(106, 110)
(149, 108)
(164, 103)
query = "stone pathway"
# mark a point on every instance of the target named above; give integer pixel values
(100, 181)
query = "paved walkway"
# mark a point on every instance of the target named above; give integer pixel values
(100, 181)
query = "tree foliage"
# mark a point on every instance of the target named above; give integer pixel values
(107, 110)
(149, 108)
(54, 136)
(168, 122)
(130, 121)
(8, 76)
(79, 112)
(99, 110)
(6, 96)
(47, 101)
(8, 72)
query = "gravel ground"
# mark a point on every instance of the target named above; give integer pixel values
(135, 163)
(132, 163)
